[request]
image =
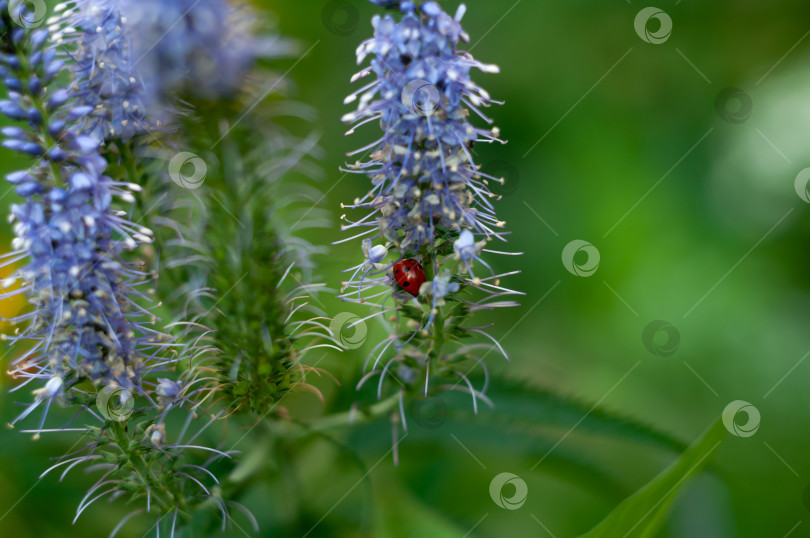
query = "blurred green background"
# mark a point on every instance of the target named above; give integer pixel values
(686, 190)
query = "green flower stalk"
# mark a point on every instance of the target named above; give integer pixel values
(228, 214)
(232, 256)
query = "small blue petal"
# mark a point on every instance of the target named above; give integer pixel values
(80, 181)
(53, 69)
(17, 36)
(13, 83)
(14, 132)
(58, 196)
(35, 86)
(14, 63)
(58, 99)
(35, 59)
(29, 189)
(78, 113)
(19, 177)
(56, 127)
(57, 155)
(48, 56)
(431, 8)
(38, 37)
(13, 110)
(34, 116)
(24, 147)
(86, 144)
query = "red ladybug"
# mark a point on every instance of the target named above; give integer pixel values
(409, 275)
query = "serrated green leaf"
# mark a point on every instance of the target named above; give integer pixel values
(519, 403)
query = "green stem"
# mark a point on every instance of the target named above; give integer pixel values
(437, 341)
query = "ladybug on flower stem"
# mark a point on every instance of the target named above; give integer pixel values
(409, 275)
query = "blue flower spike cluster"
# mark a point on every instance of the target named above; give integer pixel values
(106, 74)
(133, 63)
(89, 339)
(72, 231)
(208, 55)
(429, 202)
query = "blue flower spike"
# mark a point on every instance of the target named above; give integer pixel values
(429, 201)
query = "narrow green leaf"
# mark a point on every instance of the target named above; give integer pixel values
(642, 514)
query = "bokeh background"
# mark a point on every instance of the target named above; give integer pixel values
(678, 162)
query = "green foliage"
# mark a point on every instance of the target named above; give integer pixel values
(398, 514)
(643, 514)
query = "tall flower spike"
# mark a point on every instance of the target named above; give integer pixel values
(199, 48)
(429, 200)
(233, 255)
(91, 315)
(97, 39)
(241, 269)
(87, 321)
(134, 61)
